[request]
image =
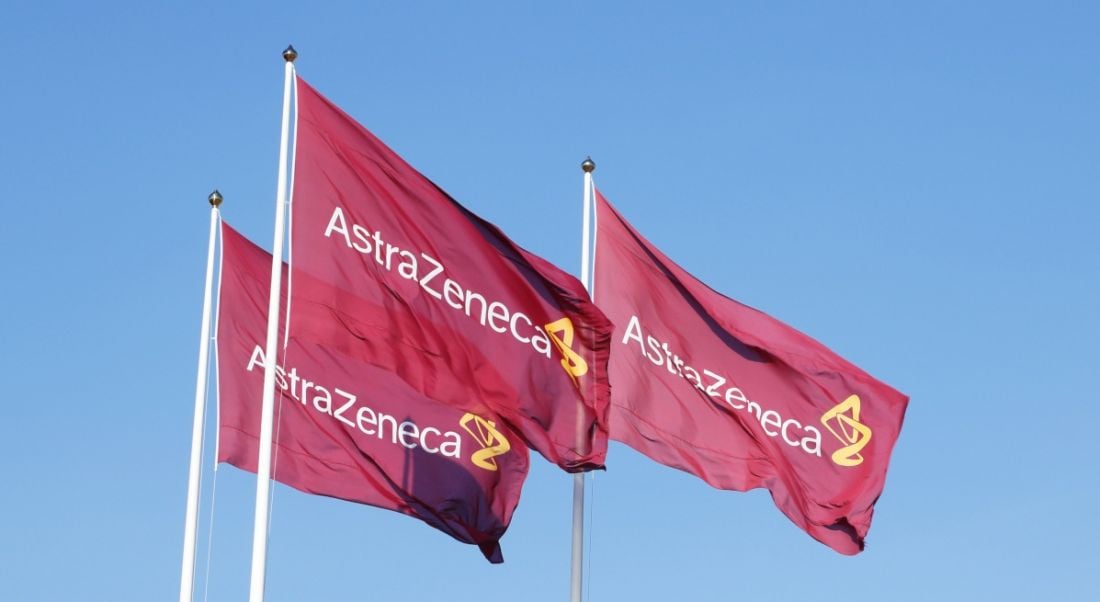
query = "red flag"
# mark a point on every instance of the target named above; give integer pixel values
(718, 389)
(440, 297)
(349, 430)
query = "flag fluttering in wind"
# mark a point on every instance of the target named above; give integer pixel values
(350, 430)
(412, 283)
(725, 392)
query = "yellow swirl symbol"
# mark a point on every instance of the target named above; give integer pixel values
(561, 332)
(491, 440)
(849, 430)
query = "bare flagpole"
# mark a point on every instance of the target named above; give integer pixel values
(263, 464)
(577, 569)
(191, 521)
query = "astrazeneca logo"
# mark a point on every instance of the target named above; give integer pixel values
(492, 442)
(435, 281)
(843, 422)
(561, 333)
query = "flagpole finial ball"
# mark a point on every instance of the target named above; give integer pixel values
(290, 54)
(588, 165)
(215, 199)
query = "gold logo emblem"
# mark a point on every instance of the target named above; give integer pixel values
(491, 440)
(561, 332)
(849, 430)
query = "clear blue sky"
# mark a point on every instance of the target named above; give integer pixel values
(916, 187)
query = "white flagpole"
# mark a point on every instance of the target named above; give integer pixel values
(263, 464)
(577, 570)
(191, 521)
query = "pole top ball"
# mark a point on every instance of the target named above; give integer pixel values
(588, 165)
(215, 199)
(290, 54)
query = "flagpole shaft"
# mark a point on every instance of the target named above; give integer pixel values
(577, 566)
(190, 523)
(586, 237)
(263, 463)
